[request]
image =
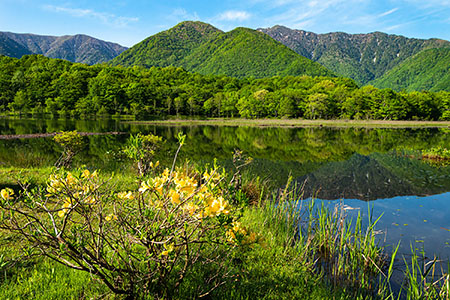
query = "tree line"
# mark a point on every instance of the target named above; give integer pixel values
(37, 84)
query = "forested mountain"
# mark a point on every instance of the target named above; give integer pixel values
(363, 57)
(199, 47)
(77, 48)
(427, 70)
(169, 47)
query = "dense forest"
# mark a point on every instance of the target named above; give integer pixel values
(201, 48)
(36, 84)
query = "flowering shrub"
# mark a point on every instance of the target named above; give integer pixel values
(72, 143)
(138, 242)
(141, 148)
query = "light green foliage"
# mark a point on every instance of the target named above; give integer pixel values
(72, 143)
(141, 149)
(167, 48)
(79, 90)
(244, 52)
(437, 153)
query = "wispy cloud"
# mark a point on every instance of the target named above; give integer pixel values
(308, 13)
(234, 15)
(387, 13)
(180, 14)
(429, 3)
(106, 18)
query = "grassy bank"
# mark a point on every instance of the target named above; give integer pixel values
(300, 123)
(308, 253)
(187, 232)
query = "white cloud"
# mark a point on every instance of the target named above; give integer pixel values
(234, 15)
(106, 18)
(386, 13)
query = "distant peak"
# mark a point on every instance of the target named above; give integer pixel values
(195, 24)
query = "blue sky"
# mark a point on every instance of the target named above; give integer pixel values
(128, 22)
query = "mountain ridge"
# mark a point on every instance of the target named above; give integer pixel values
(78, 48)
(362, 57)
(202, 48)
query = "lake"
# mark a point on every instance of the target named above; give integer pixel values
(363, 168)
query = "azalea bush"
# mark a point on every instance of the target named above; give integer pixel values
(72, 143)
(141, 148)
(138, 242)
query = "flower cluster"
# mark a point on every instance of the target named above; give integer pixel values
(74, 190)
(240, 235)
(179, 190)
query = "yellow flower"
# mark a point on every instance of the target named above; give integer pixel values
(217, 206)
(89, 200)
(86, 174)
(169, 248)
(154, 165)
(231, 237)
(145, 186)
(190, 208)
(71, 179)
(66, 206)
(7, 194)
(125, 195)
(174, 196)
(111, 217)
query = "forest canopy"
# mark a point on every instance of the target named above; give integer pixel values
(36, 84)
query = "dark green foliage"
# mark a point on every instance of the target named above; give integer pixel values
(76, 48)
(427, 70)
(363, 57)
(199, 47)
(36, 85)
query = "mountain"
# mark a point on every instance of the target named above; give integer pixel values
(363, 57)
(202, 48)
(76, 48)
(169, 47)
(11, 48)
(427, 70)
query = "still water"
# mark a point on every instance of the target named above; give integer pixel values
(364, 168)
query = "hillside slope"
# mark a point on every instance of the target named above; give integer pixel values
(167, 48)
(363, 57)
(427, 70)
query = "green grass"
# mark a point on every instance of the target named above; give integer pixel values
(44, 279)
(299, 123)
(312, 253)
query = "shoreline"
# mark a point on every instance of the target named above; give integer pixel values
(293, 123)
(42, 135)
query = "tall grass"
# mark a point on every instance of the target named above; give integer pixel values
(346, 254)
(425, 278)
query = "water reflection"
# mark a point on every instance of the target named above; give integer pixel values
(420, 222)
(357, 164)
